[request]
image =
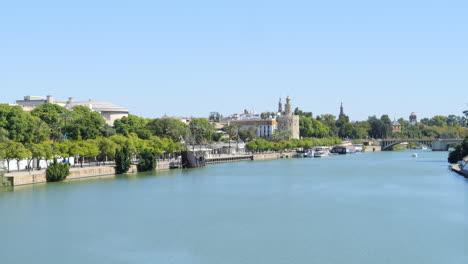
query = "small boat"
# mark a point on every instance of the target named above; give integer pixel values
(415, 155)
(357, 148)
(321, 152)
(304, 154)
(338, 150)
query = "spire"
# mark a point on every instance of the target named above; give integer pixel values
(341, 110)
(280, 106)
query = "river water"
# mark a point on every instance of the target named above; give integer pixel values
(365, 208)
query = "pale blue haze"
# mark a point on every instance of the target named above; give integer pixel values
(193, 57)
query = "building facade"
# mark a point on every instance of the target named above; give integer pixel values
(287, 121)
(264, 127)
(396, 127)
(110, 112)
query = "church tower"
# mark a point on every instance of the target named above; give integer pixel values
(341, 110)
(280, 107)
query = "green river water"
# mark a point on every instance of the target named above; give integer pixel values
(365, 208)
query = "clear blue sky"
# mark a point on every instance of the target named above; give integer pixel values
(193, 57)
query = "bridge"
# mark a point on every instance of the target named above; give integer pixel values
(434, 144)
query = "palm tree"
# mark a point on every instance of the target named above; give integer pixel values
(230, 130)
(65, 118)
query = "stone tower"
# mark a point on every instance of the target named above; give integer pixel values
(289, 121)
(280, 107)
(288, 106)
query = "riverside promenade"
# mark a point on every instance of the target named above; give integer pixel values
(18, 178)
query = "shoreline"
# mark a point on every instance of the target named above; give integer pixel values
(24, 178)
(456, 168)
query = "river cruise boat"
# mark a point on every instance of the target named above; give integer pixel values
(321, 152)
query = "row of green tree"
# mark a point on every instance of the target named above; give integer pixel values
(101, 149)
(328, 125)
(267, 145)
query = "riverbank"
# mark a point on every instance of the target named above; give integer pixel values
(39, 176)
(456, 168)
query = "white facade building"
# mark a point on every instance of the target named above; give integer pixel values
(110, 112)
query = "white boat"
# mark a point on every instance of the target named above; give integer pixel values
(304, 154)
(421, 147)
(321, 152)
(357, 148)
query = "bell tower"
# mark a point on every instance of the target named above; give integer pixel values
(280, 107)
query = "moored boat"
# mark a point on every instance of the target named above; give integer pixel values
(307, 153)
(321, 152)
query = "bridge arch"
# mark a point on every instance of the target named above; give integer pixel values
(387, 144)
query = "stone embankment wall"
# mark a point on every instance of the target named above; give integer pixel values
(224, 158)
(163, 165)
(22, 178)
(372, 148)
(25, 177)
(267, 156)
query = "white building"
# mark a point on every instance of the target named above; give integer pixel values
(110, 112)
(263, 127)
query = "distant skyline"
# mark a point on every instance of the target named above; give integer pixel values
(189, 58)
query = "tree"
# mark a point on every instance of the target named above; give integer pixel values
(280, 135)
(425, 121)
(330, 121)
(130, 124)
(267, 115)
(201, 130)
(248, 134)
(122, 161)
(88, 149)
(147, 161)
(440, 121)
(37, 152)
(52, 115)
(14, 151)
(21, 153)
(299, 112)
(17, 122)
(231, 131)
(40, 130)
(215, 117)
(461, 151)
(107, 147)
(168, 127)
(86, 124)
(57, 171)
(311, 127)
